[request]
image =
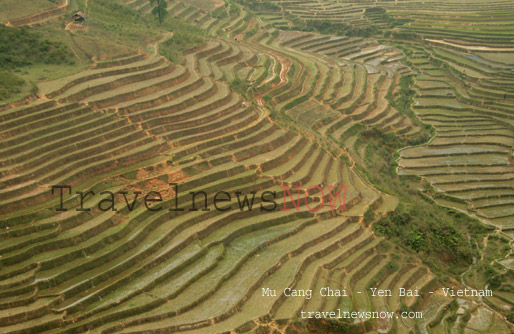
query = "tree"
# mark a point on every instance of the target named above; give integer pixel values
(160, 9)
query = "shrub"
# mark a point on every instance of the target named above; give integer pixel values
(10, 84)
(219, 13)
(21, 47)
(341, 29)
(240, 86)
(392, 266)
(184, 37)
(264, 6)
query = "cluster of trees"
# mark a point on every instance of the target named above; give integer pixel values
(414, 223)
(222, 12)
(403, 102)
(240, 86)
(10, 84)
(426, 234)
(21, 47)
(260, 6)
(160, 9)
(381, 13)
(437, 233)
(333, 28)
(219, 13)
(185, 36)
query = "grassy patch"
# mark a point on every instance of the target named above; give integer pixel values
(239, 86)
(220, 13)
(264, 6)
(206, 4)
(10, 84)
(48, 52)
(11, 9)
(333, 28)
(379, 13)
(115, 29)
(22, 50)
(21, 47)
(437, 234)
(185, 37)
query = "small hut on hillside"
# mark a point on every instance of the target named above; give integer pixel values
(78, 17)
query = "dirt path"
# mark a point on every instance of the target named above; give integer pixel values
(271, 77)
(163, 37)
(218, 3)
(250, 26)
(283, 69)
(286, 64)
(471, 48)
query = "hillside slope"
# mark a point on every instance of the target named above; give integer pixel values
(255, 109)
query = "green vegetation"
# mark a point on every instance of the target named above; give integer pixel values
(379, 13)
(219, 13)
(436, 233)
(185, 37)
(233, 10)
(159, 10)
(439, 235)
(487, 271)
(11, 9)
(339, 29)
(403, 102)
(21, 47)
(258, 6)
(115, 29)
(239, 86)
(417, 223)
(10, 84)
(380, 22)
(126, 29)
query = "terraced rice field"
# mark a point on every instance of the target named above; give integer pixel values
(474, 137)
(138, 122)
(17, 13)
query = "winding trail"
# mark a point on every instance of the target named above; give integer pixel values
(467, 47)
